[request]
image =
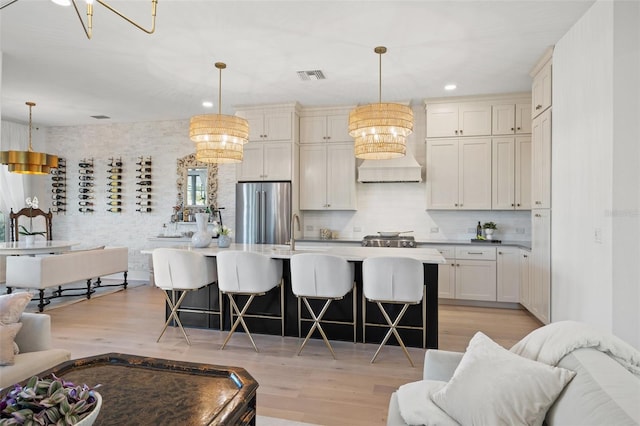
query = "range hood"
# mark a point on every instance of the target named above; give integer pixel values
(401, 169)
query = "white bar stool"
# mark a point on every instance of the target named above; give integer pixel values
(250, 274)
(394, 280)
(182, 271)
(324, 277)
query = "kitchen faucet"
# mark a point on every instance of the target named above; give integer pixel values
(294, 218)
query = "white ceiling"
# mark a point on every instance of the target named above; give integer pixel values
(482, 46)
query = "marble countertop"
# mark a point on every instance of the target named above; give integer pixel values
(520, 244)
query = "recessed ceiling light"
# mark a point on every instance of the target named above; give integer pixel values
(207, 104)
(450, 87)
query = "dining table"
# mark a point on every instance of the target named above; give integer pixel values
(429, 257)
(22, 248)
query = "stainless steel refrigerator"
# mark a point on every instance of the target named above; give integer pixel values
(263, 212)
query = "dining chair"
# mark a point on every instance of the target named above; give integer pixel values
(396, 281)
(242, 273)
(178, 272)
(29, 213)
(322, 277)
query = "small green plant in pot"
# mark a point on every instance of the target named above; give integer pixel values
(47, 401)
(489, 228)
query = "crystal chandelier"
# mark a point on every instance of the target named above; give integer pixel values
(29, 162)
(219, 138)
(380, 130)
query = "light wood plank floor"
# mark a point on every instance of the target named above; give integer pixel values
(311, 388)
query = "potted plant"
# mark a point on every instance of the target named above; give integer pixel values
(29, 234)
(50, 401)
(489, 228)
(224, 236)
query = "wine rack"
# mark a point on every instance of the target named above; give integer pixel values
(59, 187)
(143, 182)
(114, 185)
(85, 186)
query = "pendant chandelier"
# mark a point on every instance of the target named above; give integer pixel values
(29, 162)
(380, 130)
(219, 138)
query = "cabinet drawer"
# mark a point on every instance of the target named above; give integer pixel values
(446, 252)
(476, 253)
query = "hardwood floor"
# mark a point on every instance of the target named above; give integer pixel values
(312, 387)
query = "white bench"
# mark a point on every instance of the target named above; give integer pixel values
(43, 272)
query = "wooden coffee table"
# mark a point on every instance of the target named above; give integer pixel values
(150, 391)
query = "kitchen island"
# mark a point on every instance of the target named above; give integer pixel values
(206, 299)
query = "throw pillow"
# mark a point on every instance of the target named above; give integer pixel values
(7, 334)
(12, 305)
(493, 386)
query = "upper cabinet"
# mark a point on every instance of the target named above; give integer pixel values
(510, 119)
(511, 173)
(273, 131)
(458, 119)
(541, 90)
(541, 161)
(319, 125)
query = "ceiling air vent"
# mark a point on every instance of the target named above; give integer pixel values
(100, 117)
(311, 75)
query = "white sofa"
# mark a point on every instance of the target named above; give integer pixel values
(43, 272)
(36, 354)
(602, 391)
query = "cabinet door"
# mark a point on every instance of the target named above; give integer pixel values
(341, 177)
(541, 265)
(442, 174)
(508, 275)
(541, 90)
(525, 287)
(503, 117)
(503, 176)
(474, 181)
(313, 177)
(541, 161)
(442, 120)
(338, 128)
(278, 126)
(251, 166)
(474, 119)
(523, 118)
(523, 173)
(313, 129)
(277, 161)
(447, 279)
(476, 280)
(256, 125)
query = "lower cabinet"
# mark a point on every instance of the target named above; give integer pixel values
(525, 280)
(508, 275)
(541, 265)
(476, 280)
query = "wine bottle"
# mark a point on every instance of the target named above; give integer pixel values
(85, 184)
(114, 203)
(85, 172)
(57, 178)
(85, 197)
(144, 163)
(58, 185)
(115, 183)
(143, 196)
(58, 197)
(114, 170)
(144, 203)
(85, 190)
(58, 209)
(113, 190)
(85, 165)
(478, 230)
(86, 177)
(115, 164)
(85, 210)
(115, 177)
(85, 203)
(114, 210)
(143, 177)
(144, 182)
(114, 196)
(144, 209)
(58, 190)
(143, 189)
(58, 203)
(144, 169)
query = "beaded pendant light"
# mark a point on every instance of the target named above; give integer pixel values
(380, 130)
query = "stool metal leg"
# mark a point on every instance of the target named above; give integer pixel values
(174, 314)
(316, 324)
(239, 320)
(392, 329)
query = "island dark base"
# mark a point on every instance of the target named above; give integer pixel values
(207, 299)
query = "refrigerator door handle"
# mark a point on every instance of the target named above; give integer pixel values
(263, 217)
(258, 231)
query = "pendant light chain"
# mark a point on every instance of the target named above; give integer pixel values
(31, 105)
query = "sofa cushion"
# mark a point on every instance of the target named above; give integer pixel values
(493, 386)
(417, 408)
(7, 335)
(12, 306)
(31, 363)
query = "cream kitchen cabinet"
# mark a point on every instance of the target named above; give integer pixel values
(318, 126)
(511, 173)
(476, 273)
(541, 90)
(265, 161)
(510, 119)
(525, 278)
(267, 125)
(541, 161)
(458, 174)
(327, 177)
(540, 265)
(508, 275)
(458, 119)
(447, 273)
